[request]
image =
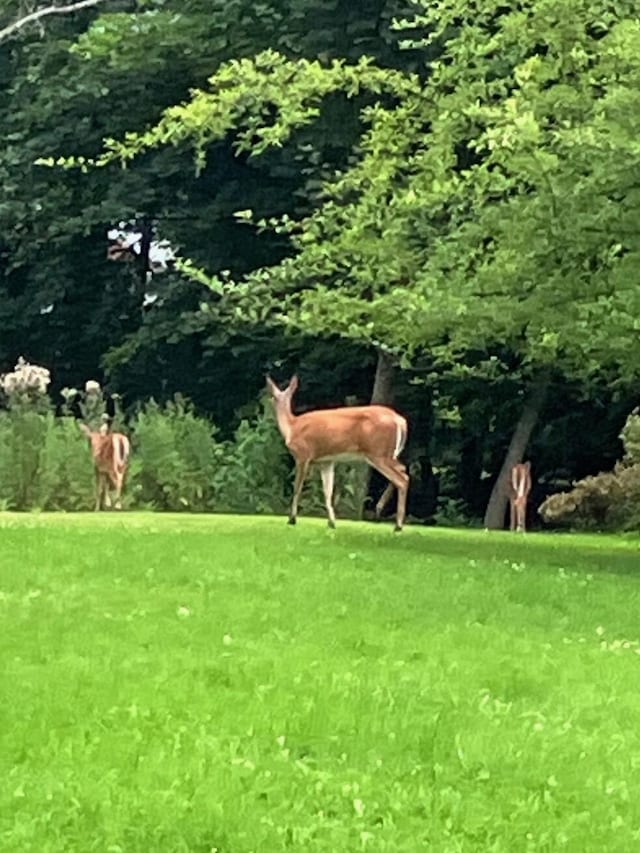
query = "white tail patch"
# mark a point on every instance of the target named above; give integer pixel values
(401, 438)
(120, 450)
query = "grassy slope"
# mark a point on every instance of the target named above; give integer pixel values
(233, 684)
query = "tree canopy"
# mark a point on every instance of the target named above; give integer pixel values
(491, 204)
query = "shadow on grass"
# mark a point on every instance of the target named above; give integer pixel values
(614, 554)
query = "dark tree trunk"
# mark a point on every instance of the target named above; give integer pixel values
(382, 393)
(494, 516)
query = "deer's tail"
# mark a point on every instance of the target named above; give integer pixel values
(401, 436)
(121, 450)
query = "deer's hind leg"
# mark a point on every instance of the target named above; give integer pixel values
(327, 473)
(397, 475)
(384, 499)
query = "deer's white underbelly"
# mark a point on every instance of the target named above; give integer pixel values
(342, 457)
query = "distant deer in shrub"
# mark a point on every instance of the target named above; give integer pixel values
(111, 451)
(519, 488)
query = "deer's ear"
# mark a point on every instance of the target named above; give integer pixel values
(85, 430)
(293, 385)
(272, 387)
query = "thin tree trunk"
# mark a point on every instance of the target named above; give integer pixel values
(496, 508)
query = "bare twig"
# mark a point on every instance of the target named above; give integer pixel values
(41, 13)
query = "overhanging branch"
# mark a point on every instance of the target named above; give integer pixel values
(41, 13)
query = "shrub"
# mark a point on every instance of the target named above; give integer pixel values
(66, 479)
(44, 462)
(630, 436)
(451, 512)
(607, 501)
(23, 429)
(22, 436)
(25, 387)
(175, 460)
(256, 471)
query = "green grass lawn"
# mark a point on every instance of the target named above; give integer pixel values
(181, 683)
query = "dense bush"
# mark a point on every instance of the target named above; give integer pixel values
(44, 462)
(66, 480)
(175, 459)
(607, 501)
(630, 436)
(256, 472)
(43, 459)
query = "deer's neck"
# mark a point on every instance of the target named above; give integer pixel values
(285, 419)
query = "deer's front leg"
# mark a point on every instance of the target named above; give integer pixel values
(301, 473)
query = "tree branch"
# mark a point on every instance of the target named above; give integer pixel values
(41, 13)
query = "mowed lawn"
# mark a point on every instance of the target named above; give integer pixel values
(181, 683)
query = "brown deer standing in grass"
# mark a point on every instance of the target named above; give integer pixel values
(519, 488)
(376, 434)
(110, 451)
